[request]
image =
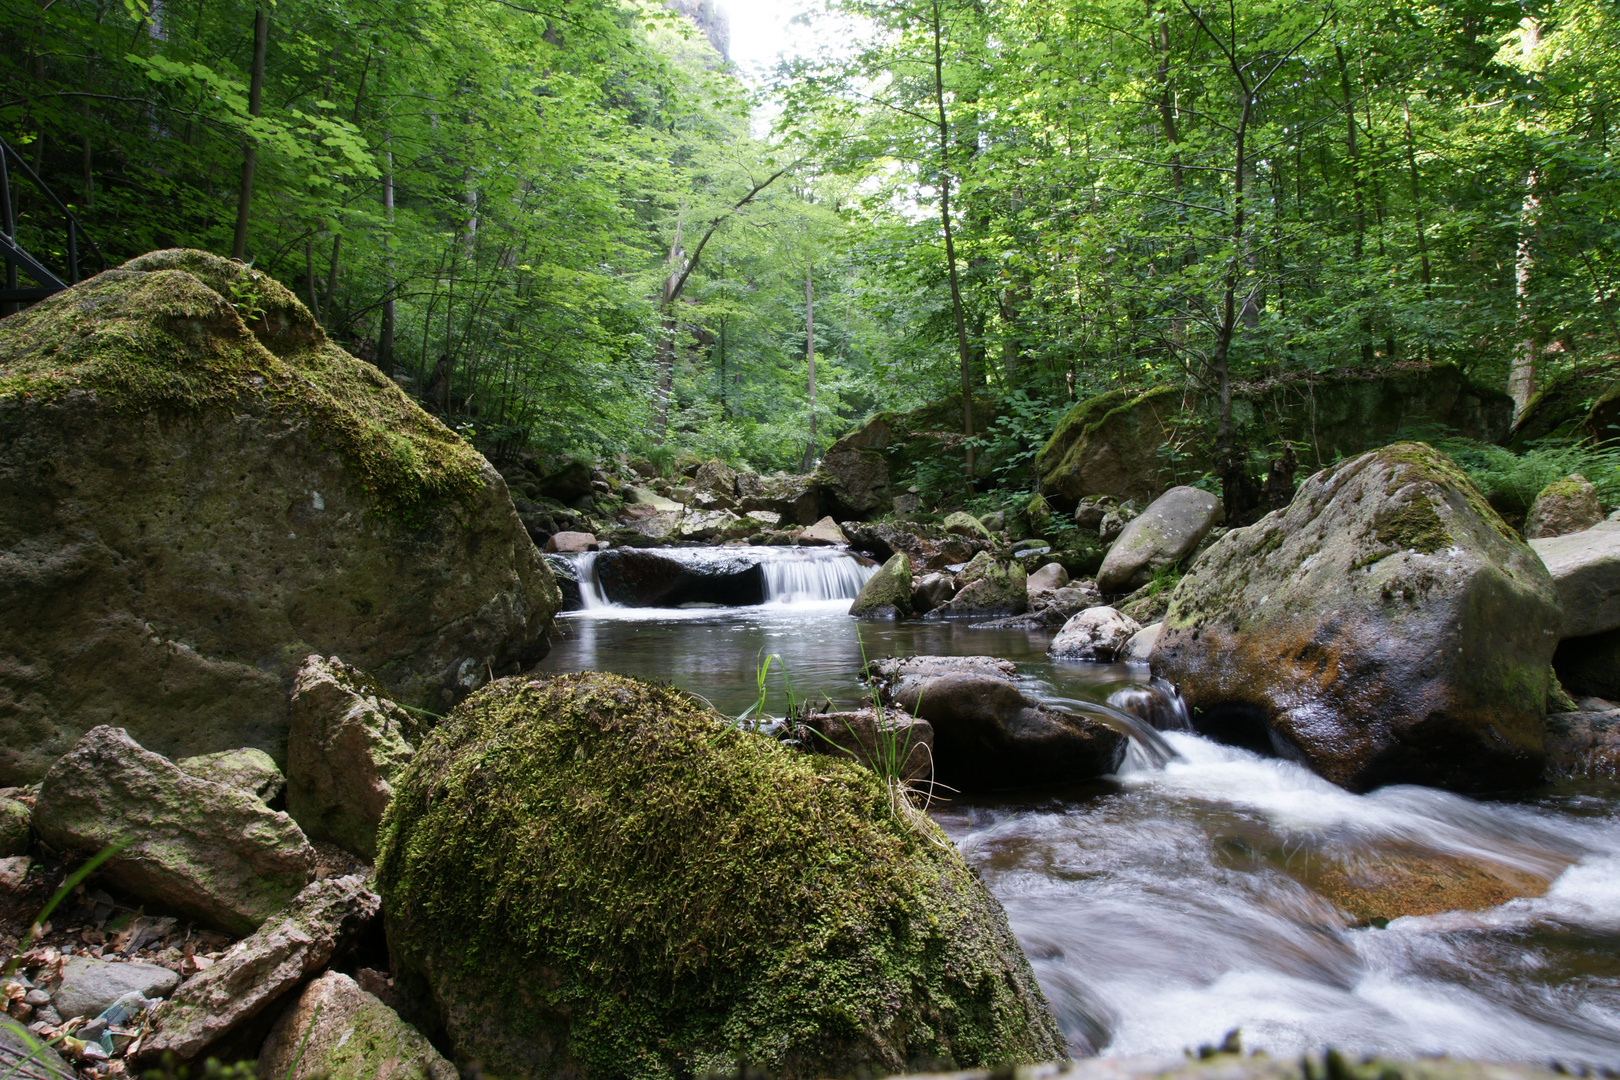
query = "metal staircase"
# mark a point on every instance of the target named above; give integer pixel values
(12, 297)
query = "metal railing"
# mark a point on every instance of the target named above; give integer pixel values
(12, 296)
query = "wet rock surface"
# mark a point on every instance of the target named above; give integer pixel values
(887, 593)
(1097, 633)
(1386, 627)
(649, 579)
(1585, 566)
(894, 743)
(1164, 534)
(214, 853)
(986, 588)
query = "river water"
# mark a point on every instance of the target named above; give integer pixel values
(1165, 906)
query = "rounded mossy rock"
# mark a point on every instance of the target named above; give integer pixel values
(594, 876)
(200, 490)
(887, 593)
(1386, 627)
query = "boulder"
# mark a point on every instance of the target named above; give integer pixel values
(565, 572)
(930, 591)
(854, 481)
(1113, 524)
(988, 734)
(1049, 577)
(337, 1031)
(986, 589)
(796, 498)
(1584, 743)
(199, 503)
(347, 746)
(1564, 506)
(1165, 533)
(995, 521)
(88, 985)
(895, 744)
(1147, 604)
(1120, 443)
(290, 947)
(1386, 627)
(1097, 633)
(708, 896)
(247, 769)
(1090, 511)
(887, 593)
(569, 483)
(203, 850)
(962, 523)
(929, 547)
(570, 543)
(1585, 566)
(637, 578)
(640, 496)
(13, 827)
(717, 478)
(824, 533)
(1590, 665)
(1140, 646)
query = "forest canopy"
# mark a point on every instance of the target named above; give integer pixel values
(573, 227)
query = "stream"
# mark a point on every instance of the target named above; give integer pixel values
(1171, 903)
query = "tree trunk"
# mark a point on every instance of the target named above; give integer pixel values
(1522, 374)
(668, 329)
(810, 363)
(250, 150)
(964, 352)
(385, 336)
(309, 276)
(1359, 217)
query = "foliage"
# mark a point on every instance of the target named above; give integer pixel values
(1511, 481)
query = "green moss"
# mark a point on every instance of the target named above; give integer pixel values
(610, 870)
(1413, 526)
(159, 336)
(889, 587)
(1421, 462)
(1570, 487)
(1558, 699)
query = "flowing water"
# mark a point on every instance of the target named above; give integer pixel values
(1206, 888)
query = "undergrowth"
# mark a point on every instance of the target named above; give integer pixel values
(1512, 481)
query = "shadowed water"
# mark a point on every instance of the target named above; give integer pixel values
(1209, 888)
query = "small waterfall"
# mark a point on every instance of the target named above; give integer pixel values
(1147, 750)
(590, 590)
(830, 576)
(1157, 703)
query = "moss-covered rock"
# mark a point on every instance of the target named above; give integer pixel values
(13, 827)
(1386, 627)
(962, 523)
(1135, 445)
(592, 876)
(246, 769)
(337, 1031)
(887, 593)
(1563, 506)
(201, 490)
(987, 588)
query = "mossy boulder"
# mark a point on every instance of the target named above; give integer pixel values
(593, 876)
(13, 828)
(337, 1031)
(962, 523)
(987, 588)
(887, 593)
(198, 489)
(1386, 627)
(1134, 445)
(246, 769)
(1564, 506)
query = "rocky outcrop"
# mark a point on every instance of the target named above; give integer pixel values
(824, 533)
(708, 895)
(247, 769)
(1097, 633)
(929, 547)
(795, 498)
(290, 947)
(204, 850)
(1117, 444)
(1386, 627)
(988, 734)
(337, 1031)
(887, 593)
(863, 472)
(1564, 506)
(1585, 743)
(893, 744)
(218, 500)
(986, 589)
(1164, 534)
(347, 746)
(1585, 566)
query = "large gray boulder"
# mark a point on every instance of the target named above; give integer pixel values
(258, 970)
(208, 851)
(337, 1031)
(190, 504)
(347, 746)
(1386, 627)
(988, 734)
(1585, 566)
(89, 985)
(1162, 535)
(1097, 633)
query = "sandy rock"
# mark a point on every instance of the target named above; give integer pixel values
(571, 543)
(896, 743)
(346, 747)
(224, 499)
(203, 850)
(337, 1031)
(13, 827)
(962, 523)
(1140, 646)
(1049, 577)
(1165, 533)
(1564, 506)
(1586, 568)
(987, 734)
(292, 945)
(88, 985)
(823, 533)
(887, 593)
(248, 769)
(1387, 627)
(1097, 633)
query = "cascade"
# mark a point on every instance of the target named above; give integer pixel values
(786, 575)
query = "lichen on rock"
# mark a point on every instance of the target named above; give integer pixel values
(593, 875)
